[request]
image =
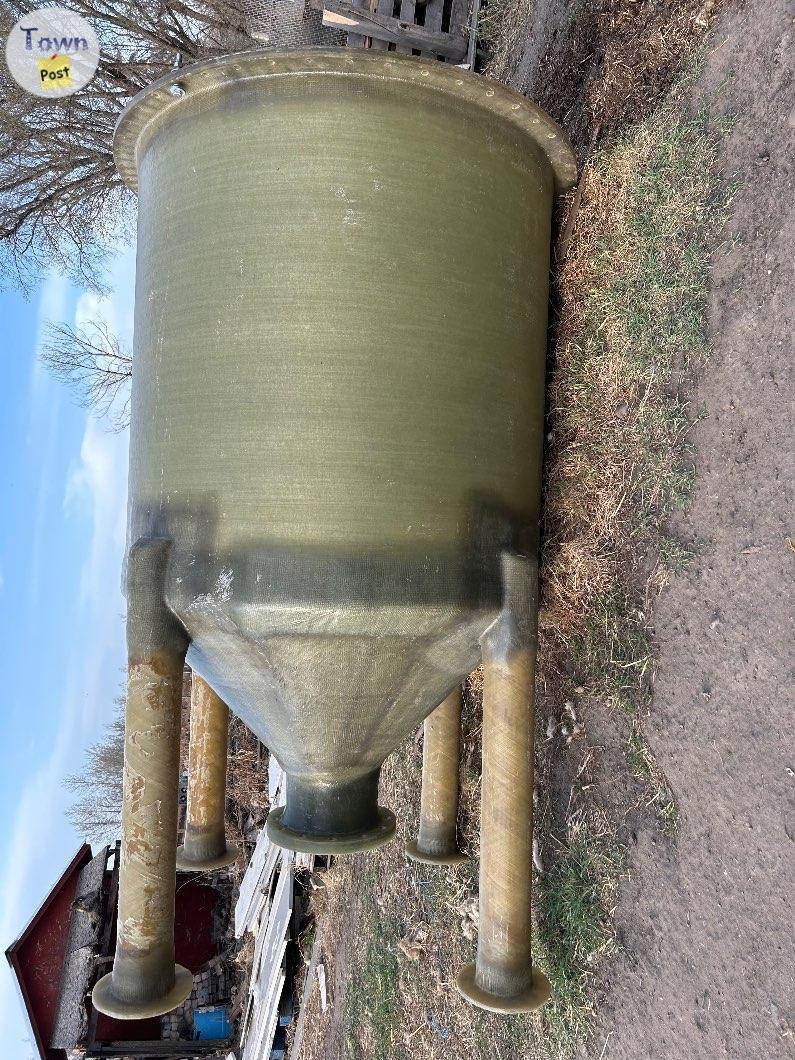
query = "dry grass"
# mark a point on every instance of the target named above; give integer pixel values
(247, 778)
(631, 329)
(414, 927)
(396, 934)
(246, 782)
(598, 67)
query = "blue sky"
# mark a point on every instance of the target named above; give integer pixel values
(63, 487)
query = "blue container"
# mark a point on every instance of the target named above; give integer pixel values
(211, 1024)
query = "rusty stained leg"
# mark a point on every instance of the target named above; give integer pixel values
(145, 981)
(205, 846)
(436, 838)
(503, 978)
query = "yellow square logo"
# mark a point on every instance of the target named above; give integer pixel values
(55, 72)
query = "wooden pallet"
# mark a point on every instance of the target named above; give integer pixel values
(435, 30)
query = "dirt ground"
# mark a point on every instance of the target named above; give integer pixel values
(706, 924)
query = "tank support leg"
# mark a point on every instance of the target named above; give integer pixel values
(503, 978)
(145, 980)
(436, 839)
(205, 846)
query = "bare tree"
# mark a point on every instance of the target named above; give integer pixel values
(94, 365)
(96, 810)
(62, 204)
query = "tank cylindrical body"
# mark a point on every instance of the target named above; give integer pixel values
(337, 409)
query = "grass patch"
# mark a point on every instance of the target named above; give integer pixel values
(638, 756)
(633, 296)
(614, 650)
(643, 766)
(575, 901)
(632, 327)
(371, 1013)
(675, 556)
(494, 18)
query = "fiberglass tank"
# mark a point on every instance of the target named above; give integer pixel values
(337, 407)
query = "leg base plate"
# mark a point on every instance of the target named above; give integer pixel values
(105, 1001)
(454, 857)
(185, 864)
(532, 997)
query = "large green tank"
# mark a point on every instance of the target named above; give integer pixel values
(340, 330)
(337, 419)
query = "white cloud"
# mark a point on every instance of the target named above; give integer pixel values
(96, 488)
(91, 307)
(32, 823)
(27, 867)
(97, 485)
(44, 420)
